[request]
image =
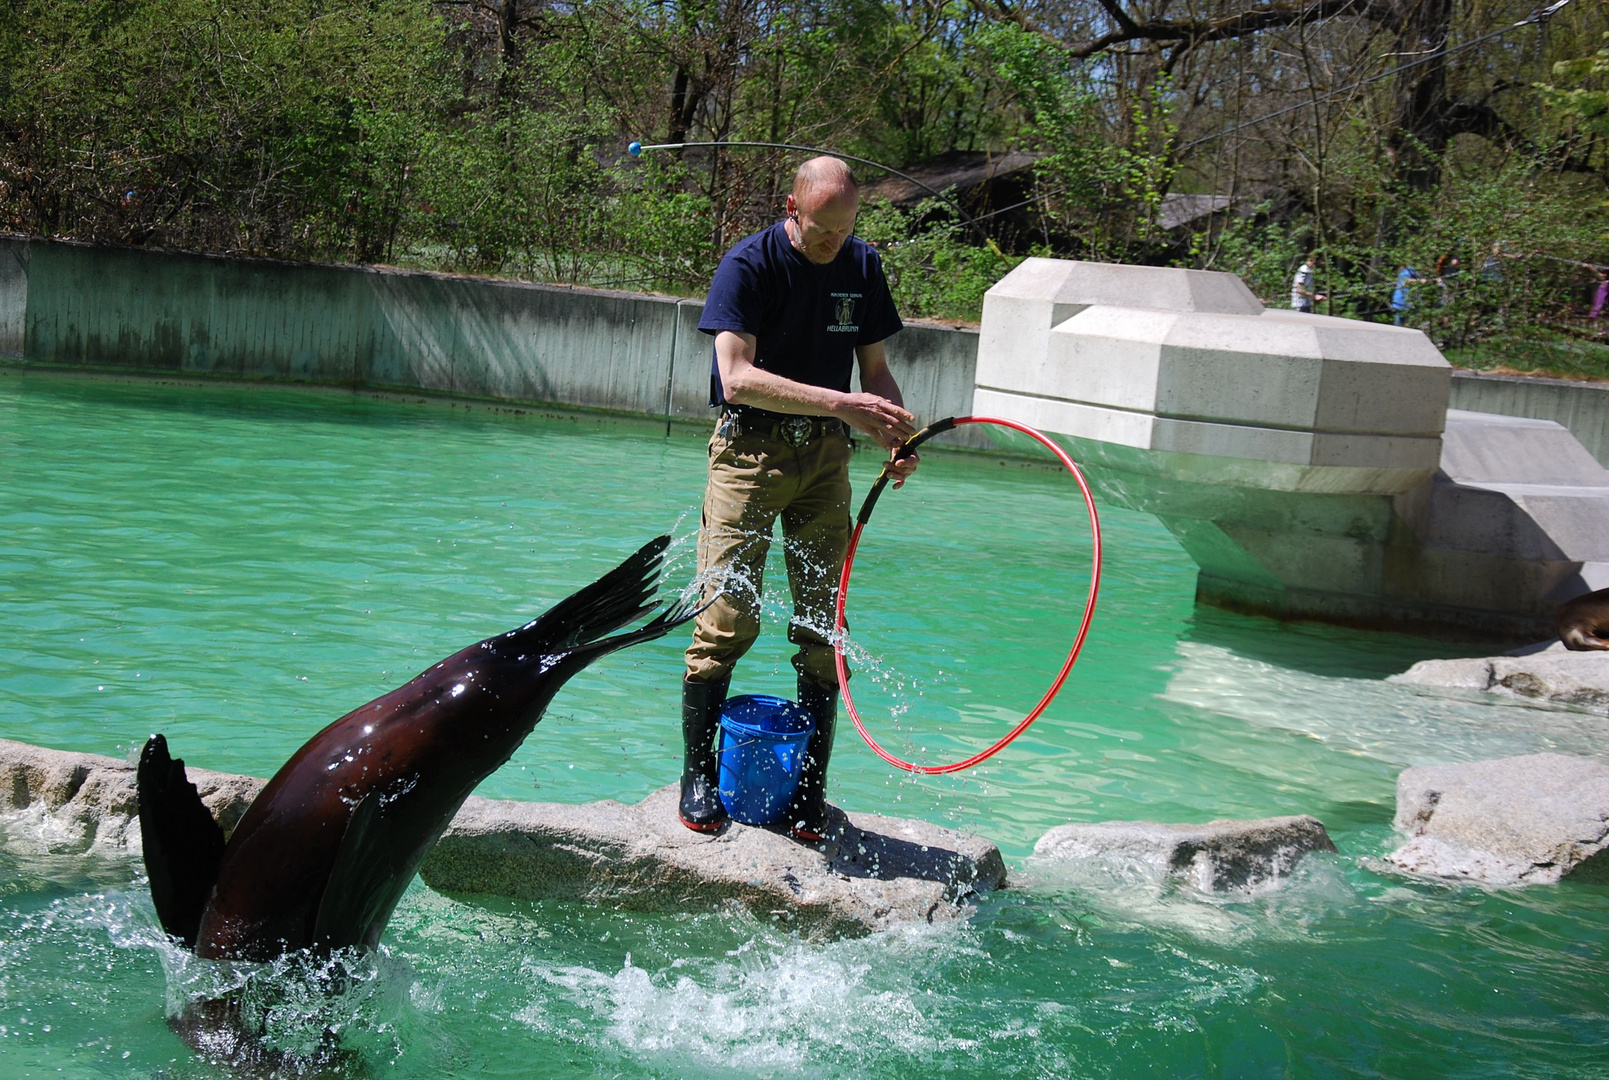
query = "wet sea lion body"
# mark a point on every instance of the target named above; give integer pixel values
(1582, 623)
(327, 848)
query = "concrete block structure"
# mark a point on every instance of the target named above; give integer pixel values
(1518, 507)
(1299, 459)
(1325, 404)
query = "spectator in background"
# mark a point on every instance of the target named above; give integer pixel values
(1492, 268)
(1447, 268)
(1401, 301)
(1304, 292)
(1602, 295)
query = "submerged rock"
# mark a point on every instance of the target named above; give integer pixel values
(1533, 819)
(873, 873)
(1219, 856)
(1552, 674)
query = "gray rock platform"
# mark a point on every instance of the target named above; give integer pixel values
(1534, 819)
(88, 801)
(871, 874)
(1220, 856)
(1551, 674)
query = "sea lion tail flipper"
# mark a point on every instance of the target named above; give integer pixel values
(683, 611)
(183, 844)
(623, 594)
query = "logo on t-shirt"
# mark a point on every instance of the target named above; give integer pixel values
(843, 309)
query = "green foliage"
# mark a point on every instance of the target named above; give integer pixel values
(1585, 96)
(272, 126)
(1101, 193)
(372, 130)
(1523, 240)
(936, 269)
(1265, 252)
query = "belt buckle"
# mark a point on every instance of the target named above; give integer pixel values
(796, 430)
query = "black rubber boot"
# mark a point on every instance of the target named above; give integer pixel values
(807, 816)
(701, 808)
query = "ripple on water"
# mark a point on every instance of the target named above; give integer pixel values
(221, 545)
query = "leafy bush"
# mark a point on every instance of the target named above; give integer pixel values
(285, 127)
(935, 267)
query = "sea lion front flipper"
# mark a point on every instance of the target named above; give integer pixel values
(183, 844)
(363, 886)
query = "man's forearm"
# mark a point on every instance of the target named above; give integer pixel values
(763, 389)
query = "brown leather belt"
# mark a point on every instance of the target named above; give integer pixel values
(794, 430)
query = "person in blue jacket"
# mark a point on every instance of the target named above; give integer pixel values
(1401, 299)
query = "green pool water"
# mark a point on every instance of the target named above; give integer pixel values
(236, 566)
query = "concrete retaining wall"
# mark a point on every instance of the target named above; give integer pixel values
(13, 294)
(133, 309)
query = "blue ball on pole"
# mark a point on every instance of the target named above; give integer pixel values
(635, 149)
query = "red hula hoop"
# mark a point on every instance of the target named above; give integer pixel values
(849, 562)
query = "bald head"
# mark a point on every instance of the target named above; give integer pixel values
(824, 179)
(822, 208)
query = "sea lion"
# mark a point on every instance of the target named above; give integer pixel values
(326, 849)
(1582, 622)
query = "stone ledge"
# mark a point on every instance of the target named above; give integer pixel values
(873, 873)
(1553, 675)
(89, 800)
(1533, 819)
(1220, 856)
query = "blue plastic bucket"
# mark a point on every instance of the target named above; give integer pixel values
(763, 741)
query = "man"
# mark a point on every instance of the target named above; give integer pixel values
(792, 309)
(1303, 293)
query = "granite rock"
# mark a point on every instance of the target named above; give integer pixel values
(870, 874)
(1554, 675)
(1220, 856)
(86, 802)
(1534, 819)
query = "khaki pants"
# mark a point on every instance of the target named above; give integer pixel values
(753, 480)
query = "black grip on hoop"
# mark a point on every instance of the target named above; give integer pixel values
(907, 448)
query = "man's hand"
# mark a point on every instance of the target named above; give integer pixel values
(877, 417)
(900, 469)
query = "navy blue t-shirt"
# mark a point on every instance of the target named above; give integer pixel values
(807, 319)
